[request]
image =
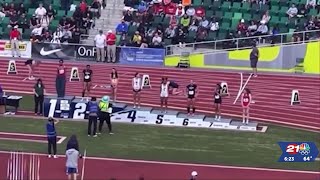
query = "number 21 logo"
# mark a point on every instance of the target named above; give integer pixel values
(292, 149)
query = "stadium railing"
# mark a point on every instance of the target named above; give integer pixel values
(242, 43)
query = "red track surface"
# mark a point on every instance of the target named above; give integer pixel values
(102, 169)
(271, 93)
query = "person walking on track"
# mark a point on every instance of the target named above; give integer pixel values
(100, 42)
(254, 56)
(87, 79)
(15, 36)
(217, 102)
(136, 85)
(72, 158)
(191, 92)
(105, 108)
(245, 102)
(111, 46)
(164, 94)
(93, 116)
(31, 64)
(52, 136)
(114, 78)
(39, 92)
(61, 79)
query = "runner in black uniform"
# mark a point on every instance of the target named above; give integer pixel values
(217, 101)
(175, 88)
(87, 78)
(31, 65)
(191, 93)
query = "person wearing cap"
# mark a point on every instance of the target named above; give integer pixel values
(194, 175)
(100, 42)
(111, 46)
(52, 136)
(105, 108)
(15, 35)
(93, 116)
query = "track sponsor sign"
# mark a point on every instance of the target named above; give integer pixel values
(53, 51)
(146, 56)
(24, 47)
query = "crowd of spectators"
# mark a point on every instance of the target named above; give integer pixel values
(141, 27)
(38, 27)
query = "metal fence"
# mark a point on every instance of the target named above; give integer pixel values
(243, 43)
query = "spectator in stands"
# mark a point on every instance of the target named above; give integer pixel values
(95, 9)
(214, 24)
(185, 22)
(122, 28)
(262, 29)
(12, 9)
(252, 28)
(76, 36)
(180, 11)
(51, 12)
(21, 10)
(275, 38)
(194, 24)
(170, 10)
(302, 11)
(201, 34)
(83, 7)
(100, 42)
(34, 22)
(63, 22)
(297, 36)
(14, 20)
(36, 34)
(128, 18)
(292, 11)
(111, 46)
(71, 24)
(241, 28)
(141, 28)
(5, 9)
(136, 39)
(40, 11)
(231, 42)
(23, 22)
(311, 4)
(15, 36)
(2, 14)
(87, 21)
(204, 23)
(44, 21)
(266, 17)
(181, 36)
(57, 36)
(310, 25)
(157, 41)
(144, 43)
(170, 32)
(318, 5)
(46, 37)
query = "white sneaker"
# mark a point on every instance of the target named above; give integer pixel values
(111, 133)
(95, 136)
(134, 106)
(55, 156)
(88, 135)
(49, 156)
(99, 133)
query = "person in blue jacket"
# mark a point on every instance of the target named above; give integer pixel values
(93, 116)
(52, 136)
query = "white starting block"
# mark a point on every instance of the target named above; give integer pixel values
(295, 98)
(12, 68)
(146, 83)
(224, 90)
(74, 75)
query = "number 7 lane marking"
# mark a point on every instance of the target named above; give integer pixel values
(28, 137)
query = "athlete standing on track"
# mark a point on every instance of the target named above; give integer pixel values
(104, 115)
(164, 94)
(52, 136)
(217, 102)
(31, 65)
(61, 79)
(136, 85)
(72, 158)
(114, 78)
(87, 78)
(191, 93)
(246, 101)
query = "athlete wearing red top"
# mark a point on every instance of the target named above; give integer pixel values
(245, 101)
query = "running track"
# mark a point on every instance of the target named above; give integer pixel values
(271, 93)
(105, 168)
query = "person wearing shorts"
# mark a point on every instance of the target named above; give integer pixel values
(72, 158)
(217, 102)
(136, 87)
(114, 78)
(31, 64)
(254, 56)
(245, 102)
(175, 88)
(164, 94)
(191, 92)
(87, 78)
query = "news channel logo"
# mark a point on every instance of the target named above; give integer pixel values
(298, 151)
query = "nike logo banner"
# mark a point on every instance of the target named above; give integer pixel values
(52, 51)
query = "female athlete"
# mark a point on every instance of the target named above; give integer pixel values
(175, 88)
(191, 93)
(114, 78)
(31, 64)
(87, 78)
(217, 102)
(246, 101)
(164, 94)
(136, 86)
(72, 157)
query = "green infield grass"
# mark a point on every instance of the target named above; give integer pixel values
(169, 143)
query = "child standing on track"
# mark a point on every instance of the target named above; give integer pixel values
(217, 102)
(246, 101)
(191, 93)
(136, 85)
(72, 158)
(52, 136)
(164, 94)
(114, 83)
(87, 78)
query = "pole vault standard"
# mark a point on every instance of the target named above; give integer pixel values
(242, 87)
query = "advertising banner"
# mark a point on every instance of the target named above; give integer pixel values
(53, 51)
(146, 56)
(90, 52)
(24, 47)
